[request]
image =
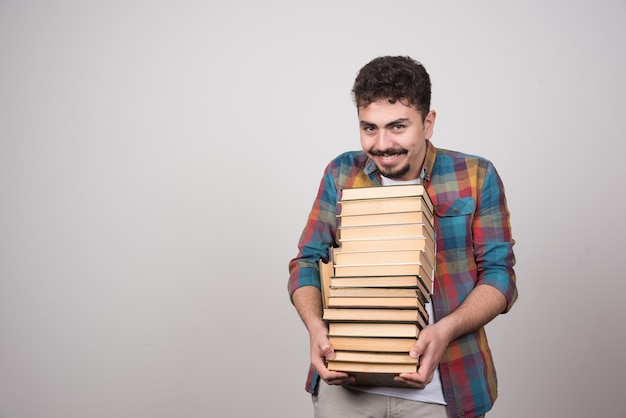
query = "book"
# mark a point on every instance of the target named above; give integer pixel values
(402, 269)
(383, 315)
(410, 281)
(390, 244)
(391, 191)
(362, 288)
(372, 329)
(374, 357)
(387, 231)
(395, 190)
(386, 205)
(379, 303)
(387, 368)
(385, 219)
(326, 271)
(374, 302)
(382, 257)
(386, 292)
(360, 292)
(375, 344)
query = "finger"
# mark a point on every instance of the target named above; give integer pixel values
(417, 349)
(426, 372)
(415, 378)
(410, 382)
(347, 381)
(328, 352)
(338, 378)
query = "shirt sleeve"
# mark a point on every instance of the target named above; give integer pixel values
(317, 237)
(493, 242)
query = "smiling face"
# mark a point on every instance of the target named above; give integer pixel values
(394, 136)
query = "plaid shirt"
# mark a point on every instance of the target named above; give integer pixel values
(474, 246)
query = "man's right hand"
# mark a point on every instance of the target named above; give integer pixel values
(322, 350)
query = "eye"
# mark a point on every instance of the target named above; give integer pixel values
(398, 127)
(368, 128)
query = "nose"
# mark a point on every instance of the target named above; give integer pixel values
(384, 140)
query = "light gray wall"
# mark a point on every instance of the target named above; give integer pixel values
(158, 160)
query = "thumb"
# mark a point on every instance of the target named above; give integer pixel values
(417, 349)
(328, 352)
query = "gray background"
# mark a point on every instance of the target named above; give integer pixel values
(158, 160)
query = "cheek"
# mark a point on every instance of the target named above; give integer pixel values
(366, 142)
(413, 143)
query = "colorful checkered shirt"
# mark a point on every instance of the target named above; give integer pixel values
(474, 246)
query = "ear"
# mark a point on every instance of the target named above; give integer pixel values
(429, 123)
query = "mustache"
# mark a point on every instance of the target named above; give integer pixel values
(388, 152)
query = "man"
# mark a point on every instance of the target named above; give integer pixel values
(474, 280)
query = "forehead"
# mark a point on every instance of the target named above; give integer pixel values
(382, 111)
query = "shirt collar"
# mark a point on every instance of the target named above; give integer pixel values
(429, 161)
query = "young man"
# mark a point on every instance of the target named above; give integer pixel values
(474, 280)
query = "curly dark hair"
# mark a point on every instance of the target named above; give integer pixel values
(393, 78)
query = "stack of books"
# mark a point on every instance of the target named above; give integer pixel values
(376, 287)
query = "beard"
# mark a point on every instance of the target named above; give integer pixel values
(394, 173)
(391, 172)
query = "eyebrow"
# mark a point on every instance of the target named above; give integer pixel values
(388, 125)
